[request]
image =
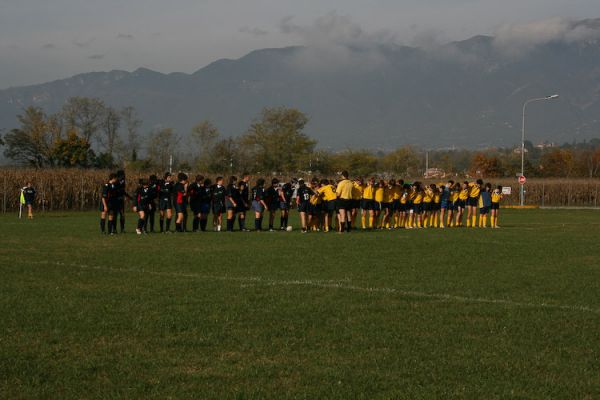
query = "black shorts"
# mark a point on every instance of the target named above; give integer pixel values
(396, 205)
(437, 206)
(495, 206)
(344, 204)
(165, 203)
(283, 205)
(181, 208)
(331, 205)
(473, 201)
(114, 206)
(386, 206)
(273, 206)
(460, 204)
(366, 204)
(376, 206)
(418, 208)
(218, 208)
(355, 204)
(304, 207)
(402, 207)
(427, 207)
(484, 210)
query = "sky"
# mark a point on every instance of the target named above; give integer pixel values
(44, 40)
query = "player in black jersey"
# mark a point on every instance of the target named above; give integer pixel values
(205, 197)
(181, 200)
(122, 196)
(29, 198)
(112, 203)
(242, 205)
(259, 204)
(232, 199)
(143, 199)
(273, 200)
(194, 192)
(104, 204)
(153, 187)
(286, 191)
(165, 189)
(246, 200)
(303, 195)
(218, 203)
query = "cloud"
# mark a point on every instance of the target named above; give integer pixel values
(124, 36)
(336, 29)
(49, 46)
(96, 57)
(517, 38)
(84, 43)
(253, 31)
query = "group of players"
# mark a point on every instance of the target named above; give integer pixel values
(323, 204)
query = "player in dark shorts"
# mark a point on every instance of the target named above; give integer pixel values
(29, 198)
(259, 204)
(218, 203)
(112, 203)
(246, 200)
(273, 201)
(286, 191)
(104, 205)
(166, 187)
(143, 198)
(181, 201)
(194, 196)
(242, 205)
(303, 195)
(205, 197)
(122, 194)
(232, 201)
(153, 188)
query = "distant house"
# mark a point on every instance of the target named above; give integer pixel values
(545, 145)
(518, 150)
(434, 173)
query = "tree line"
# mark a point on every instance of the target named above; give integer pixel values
(87, 133)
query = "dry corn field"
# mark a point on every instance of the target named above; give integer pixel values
(73, 189)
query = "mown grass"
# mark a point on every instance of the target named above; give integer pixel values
(508, 313)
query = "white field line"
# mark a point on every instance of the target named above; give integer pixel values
(332, 284)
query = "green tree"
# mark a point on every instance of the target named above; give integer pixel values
(405, 161)
(72, 151)
(360, 162)
(557, 163)
(483, 165)
(32, 143)
(132, 125)
(277, 142)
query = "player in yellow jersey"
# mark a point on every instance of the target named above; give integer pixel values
(427, 204)
(412, 215)
(453, 202)
(386, 204)
(496, 199)
(404, 206)
(379, 190)
(473, 202)
(445, 194)
(397, 193)
(418, 205)
(463, 196)
(328, 205)
(316, 205)
(437, 206)
(367, 204)
(356, 197)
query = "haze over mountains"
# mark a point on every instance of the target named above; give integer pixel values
(368, 94)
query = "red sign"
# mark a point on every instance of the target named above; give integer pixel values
(522, 180)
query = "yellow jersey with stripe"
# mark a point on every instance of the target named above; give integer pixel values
(428, 196)
(368, 192)
(418, 198)
(357, 191)
(388, 194)
(496, 196)
(379, 194)
(464, 194)
(475, 191)
(327, 192)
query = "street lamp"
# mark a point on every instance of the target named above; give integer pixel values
(552, 97)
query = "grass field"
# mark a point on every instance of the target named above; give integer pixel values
(483, 314)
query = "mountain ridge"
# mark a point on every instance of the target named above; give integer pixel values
(464, 94)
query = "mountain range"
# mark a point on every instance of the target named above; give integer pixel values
(463, 94)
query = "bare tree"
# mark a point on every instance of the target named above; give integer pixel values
(111, 122)
(132, 125)
(85, 115)
(204, 136)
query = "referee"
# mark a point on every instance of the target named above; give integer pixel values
(344, 202)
